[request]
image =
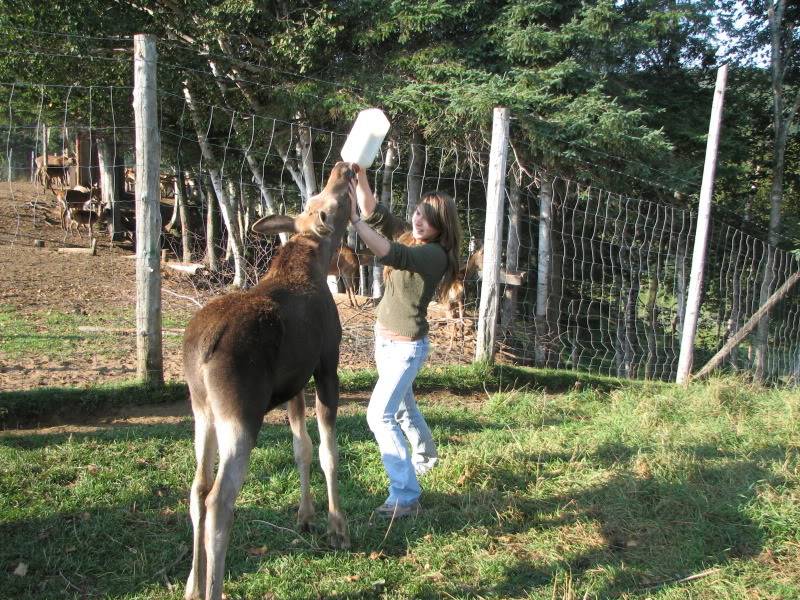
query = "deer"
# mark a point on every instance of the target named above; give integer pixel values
(77, 207)
(73, 219)
(456, 294)
(56, 169)
(248, 352)
(344, 263)
(455, 309)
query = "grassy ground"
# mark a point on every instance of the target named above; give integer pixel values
(628, 492)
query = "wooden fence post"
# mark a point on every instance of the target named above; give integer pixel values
(701, 236)
(544, 270)
(493, 238)
(149, 361)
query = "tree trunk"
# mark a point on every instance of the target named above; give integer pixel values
(735, 318)
(84, 157)
(652, 318)
(509, 306)
(109, 188)
(782, 123)
(389, 166)
(680, 277)
(228, 214)
(416, 172)
(390, 163)
(212, 223)
(176, 205)
(632, 299)
(255, 106)
(182, 200)
(305, 156)
(266, 195)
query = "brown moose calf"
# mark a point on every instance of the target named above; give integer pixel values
(248, 352)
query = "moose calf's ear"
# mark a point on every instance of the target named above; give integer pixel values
(274, 224)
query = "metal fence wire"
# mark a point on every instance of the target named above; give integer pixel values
(599, 278)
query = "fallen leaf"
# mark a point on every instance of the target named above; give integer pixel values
(259, 551)
(352, 578)
(21, 570)
(375, 555)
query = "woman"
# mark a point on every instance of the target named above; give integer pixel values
(421, 261)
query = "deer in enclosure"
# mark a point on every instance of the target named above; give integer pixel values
(246, 353)
(344, 263)
(55, 171)
(76, 199)
(75, 218)
(456, 294)
(129, 177)
(455, 309)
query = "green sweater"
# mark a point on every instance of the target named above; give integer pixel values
(410, 287)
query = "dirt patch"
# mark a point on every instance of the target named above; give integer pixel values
(37, 280)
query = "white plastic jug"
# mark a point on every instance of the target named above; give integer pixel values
(365, 137)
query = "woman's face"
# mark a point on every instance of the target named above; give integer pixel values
(421, 229)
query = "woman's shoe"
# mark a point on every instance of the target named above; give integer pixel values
(398, 511)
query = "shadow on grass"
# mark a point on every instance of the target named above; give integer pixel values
(637, 528)
(26, 408)
(642, 531)
(46, 406)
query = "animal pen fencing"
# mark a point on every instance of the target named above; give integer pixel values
(591, 279)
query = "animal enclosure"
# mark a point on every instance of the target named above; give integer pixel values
(592, 279)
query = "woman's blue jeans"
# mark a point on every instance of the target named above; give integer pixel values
(393, 416)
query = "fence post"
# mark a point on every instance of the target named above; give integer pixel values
(149, 361)
(493, 237)
(701, 235)
(543, 270)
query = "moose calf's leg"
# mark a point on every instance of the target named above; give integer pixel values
(235, 445)
(205, 446)
(329, 461)
(301, 442)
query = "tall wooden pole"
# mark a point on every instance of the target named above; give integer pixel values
(149, 361)
(493, 238)
(701, 236)
(544, 269)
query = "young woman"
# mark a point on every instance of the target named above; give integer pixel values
(421, 261)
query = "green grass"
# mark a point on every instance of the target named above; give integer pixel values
(46, 333)
(53, 333)
(608, 492)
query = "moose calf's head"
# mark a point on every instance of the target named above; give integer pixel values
(325, 214)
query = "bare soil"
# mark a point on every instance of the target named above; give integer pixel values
(37, 279)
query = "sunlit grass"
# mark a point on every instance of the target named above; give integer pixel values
(648, 491)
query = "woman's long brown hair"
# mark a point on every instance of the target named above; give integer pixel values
(439, 210)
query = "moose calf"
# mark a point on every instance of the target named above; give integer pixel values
(246, 353)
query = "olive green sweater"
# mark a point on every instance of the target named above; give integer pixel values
(411, 286)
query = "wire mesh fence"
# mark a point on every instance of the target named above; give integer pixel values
(595, 280)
